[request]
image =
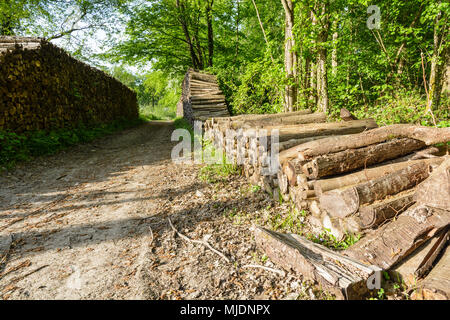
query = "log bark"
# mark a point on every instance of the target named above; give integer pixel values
(396, 240)
(314, 129)
(346, 115)
(267, 122)
(344, 276)
(404, 272)
(313, 149)
(344, 202)
(352, 159)
(372, 216)
(262, 116)
(436, 286)
(365, 175)
(327, 129)
(295, 142)
(435, 191)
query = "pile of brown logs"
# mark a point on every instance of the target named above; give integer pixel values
(201, 97)
(390, 184)
(42, 88)
(241, 136)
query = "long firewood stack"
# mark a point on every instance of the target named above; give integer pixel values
(43, 88)
(201, 97)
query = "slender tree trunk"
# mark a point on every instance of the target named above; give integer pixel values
(313, 77)
(262, 29)
(237, 31)
(307, 81)
(198, 44)
(209, 5)
(334, 58)
(323, 102)
(184, 26)
(438, 63)
(290, 57)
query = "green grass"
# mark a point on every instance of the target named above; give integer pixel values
(182, 123)
(328, 240)
(215, 173)
(15, 148)
(158, 112)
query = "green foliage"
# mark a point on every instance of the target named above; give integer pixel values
(15, 147)
(157, 93)
(329, 240)
(406, 107)
(214, 173)
(259, 89)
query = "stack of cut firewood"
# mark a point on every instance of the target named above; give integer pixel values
(355, 182)
(407, 234)
(250, 140)
(389, 184)
(43, 88)
(201, 97)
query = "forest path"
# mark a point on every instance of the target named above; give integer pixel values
(91, 223)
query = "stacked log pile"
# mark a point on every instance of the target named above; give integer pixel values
(251, 140)
(357, 182)
(201, 97)
(391, 185)
(42, 88)
(413, 247)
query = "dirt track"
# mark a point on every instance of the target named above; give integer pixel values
(91, 223)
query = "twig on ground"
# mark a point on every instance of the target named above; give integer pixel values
(281, 273)
(206, 244)
(151, 234)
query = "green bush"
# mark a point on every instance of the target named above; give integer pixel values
(258, 87)
(406, 107)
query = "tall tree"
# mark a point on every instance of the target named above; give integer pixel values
(290, 57)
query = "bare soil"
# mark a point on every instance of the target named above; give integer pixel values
(92, 223)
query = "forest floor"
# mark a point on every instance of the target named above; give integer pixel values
(92, 223)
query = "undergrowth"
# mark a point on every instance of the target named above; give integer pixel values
(214, 173)
(15, 147)
(328, 240)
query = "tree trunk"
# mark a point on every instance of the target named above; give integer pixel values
(323, 101)
(290, 57)
(345, 277)
(334, 62)
(262, 29)
(267, 122)
(237, 32)
(314, 129)
(436, 286)
(184, 26)
(209, 4)
(435, 191)
(373, 215)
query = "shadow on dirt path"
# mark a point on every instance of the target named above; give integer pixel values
(92, 223)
